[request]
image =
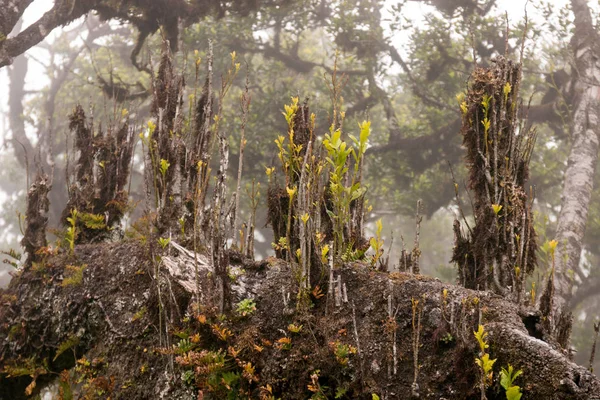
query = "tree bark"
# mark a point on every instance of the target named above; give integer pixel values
(16, 92)
(581, 166)
(10, 13)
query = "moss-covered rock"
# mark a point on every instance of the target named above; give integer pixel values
(105, 332)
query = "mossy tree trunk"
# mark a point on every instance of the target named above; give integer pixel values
(499, 250)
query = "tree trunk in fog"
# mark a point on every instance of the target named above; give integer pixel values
(16, 92)
(581, 166)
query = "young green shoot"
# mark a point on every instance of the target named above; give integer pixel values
(377, 244)
(71, 234)
(483, 360)
(507, 378)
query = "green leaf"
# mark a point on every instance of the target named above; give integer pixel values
(379, 225)
(93, 221)
(164, 242)
(507, 377)
(480, 335)
(230, 378)
(340, 392)
(518, 373)
(373, 243)
(71, 342)
(365, 132)
(514, 393)
(358, 193)
(485, 363)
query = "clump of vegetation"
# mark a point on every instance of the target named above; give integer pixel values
(284, 343)
(347, 222)
(88, 374)
(342, 352)
(31, 367)
(73, 275)
(222, 371)
(500, 250)
(97, 183)
(377, 244)
(293, 328)
(246, 307)
(318, 216)
(36, 218)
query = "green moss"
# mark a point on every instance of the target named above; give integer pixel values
(73, 275)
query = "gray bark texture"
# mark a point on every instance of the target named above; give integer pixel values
(581, 166)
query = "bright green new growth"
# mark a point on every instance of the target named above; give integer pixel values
(342, 195)
(71, 234)
(483, 361)
(316, 186)
(164, 167)
(486, 364)
(507, 378)
(377, 244)
(246, 307)
(290, 156)
(481, 335)
(164, 242)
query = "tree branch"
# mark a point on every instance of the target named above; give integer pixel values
(62, 13)
(416, 86)
(10, 14)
